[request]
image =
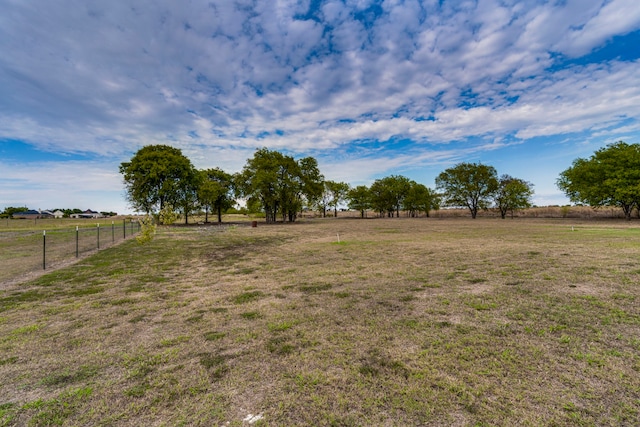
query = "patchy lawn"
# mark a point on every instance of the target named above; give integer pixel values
(334, 322)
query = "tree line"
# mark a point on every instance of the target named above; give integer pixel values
(161, 181)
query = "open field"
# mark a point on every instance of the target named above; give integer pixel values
(21, 241)
(334, 322)
(27, 247)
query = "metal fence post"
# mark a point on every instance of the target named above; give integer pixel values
(113, 233)
(77, 242)
(124, 228)
(98, 235)
(44, 249)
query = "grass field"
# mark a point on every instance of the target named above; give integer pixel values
(29, 246)
(334, 322)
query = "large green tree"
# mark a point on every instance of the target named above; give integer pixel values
(610, 177)
(512, 194)
(420, 198)
(215, 192)
(359, 199)
(387, 194)
(258, 181)
(470, 185)
(281, 184)
(156, 176)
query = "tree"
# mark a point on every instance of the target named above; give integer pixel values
(323, 201)
(258, 181)
(10, 210)
(215, 192)
(359, 199)
(610, 177)
(338, 194)
(187, 193)
(387, 194)
(468, 184)
(512, 194)
(281, 184)
(312, 181)
(420, 198)
(155, 176)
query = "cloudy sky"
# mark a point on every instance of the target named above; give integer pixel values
(369, 88)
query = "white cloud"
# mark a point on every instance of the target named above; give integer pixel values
(616, 17)
(50, 185)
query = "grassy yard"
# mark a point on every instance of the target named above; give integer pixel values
(334, 322)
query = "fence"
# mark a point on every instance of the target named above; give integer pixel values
(22, 252)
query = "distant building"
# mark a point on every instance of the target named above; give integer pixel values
(87, 214)
(56, 214)
(31, 214)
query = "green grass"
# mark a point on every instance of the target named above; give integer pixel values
(246, 297)
(413, 322)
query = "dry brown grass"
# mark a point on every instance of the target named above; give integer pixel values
(334, 322)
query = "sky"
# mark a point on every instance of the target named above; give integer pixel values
(368, 88)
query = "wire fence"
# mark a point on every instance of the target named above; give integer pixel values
(26, 251)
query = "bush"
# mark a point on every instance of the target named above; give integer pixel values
(167, 215)
(147, 230)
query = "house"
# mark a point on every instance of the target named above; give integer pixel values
(87, 214)
(57, 214)
(30, 214)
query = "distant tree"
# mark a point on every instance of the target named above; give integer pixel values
(387, 194)
(420, 198)
(258, 182)
(281, 184)
(9, 211)
(186, 197)
(338, 191)
(381, 198)
(359, 199)
(157, 175)
(322, 203)
(215, 192)
(311, 181)
(471, 185)
(512, 194)
(610, 177)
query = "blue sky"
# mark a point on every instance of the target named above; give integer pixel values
(369, 88)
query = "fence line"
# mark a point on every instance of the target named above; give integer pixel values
(22, 252)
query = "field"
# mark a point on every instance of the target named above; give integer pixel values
(428, 321)
(29, 246)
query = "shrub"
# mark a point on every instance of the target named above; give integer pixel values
(147, 230)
